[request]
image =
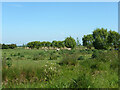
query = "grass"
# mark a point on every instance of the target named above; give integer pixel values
(63, 69)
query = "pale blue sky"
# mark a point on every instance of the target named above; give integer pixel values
(25, 22)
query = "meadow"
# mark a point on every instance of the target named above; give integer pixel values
(77, 68)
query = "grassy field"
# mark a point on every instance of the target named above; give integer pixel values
(24, 68)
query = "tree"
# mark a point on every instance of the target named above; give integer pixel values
(12, 46)
(37, 44)
(23, 46)
(5, 46)
(54, 44)
(0, 46)
(43, 44)
(70, 42)
(60, 44)
(100, 38)
(34, 44)
(9, 46)
(78, 42)
(113, 38)
(31, 45)
(88, 41)
(48, 44)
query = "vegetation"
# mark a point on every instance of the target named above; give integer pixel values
(37, 67)
(24, 68)
(88, 41)
(101, 39)
(70, 42)
(9, 46)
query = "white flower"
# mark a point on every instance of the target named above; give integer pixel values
(45, 65)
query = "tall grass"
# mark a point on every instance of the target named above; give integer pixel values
(65, 72)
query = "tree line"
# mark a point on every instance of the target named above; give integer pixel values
(8, 46)
(69, 42)
(99, 39)
(102, 39)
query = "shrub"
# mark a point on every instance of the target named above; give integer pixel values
(38, 57)
(72, 52)
(14, 55)
(8, 58)
(70, 42)
(81, 58)
(94, 66)
(21, 55)
(83, 81)
(109, 56)
(35, 57)
(89, 52)
(53, 57)
(9, 63)
(18, 54)
(95, 54)
(69, 59)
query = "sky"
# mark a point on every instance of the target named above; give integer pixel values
(23, 22)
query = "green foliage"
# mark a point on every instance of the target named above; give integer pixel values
(48, 44)
(83, 81)
(34, 44)
(66, 72)
(69, 60)
(61, 44)
(21, 55)
(58, 44)
(95, 54)
(81, 58)
(70, 42)
(88, 41)
(78, 42)
(9, 46)
(53, 57)
(38, 57)
(29, 73)
(113, 38)
(100, 38)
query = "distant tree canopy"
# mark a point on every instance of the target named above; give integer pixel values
(70, 42)
(113, 38)
(101, 39)
(8, 46)
(78, 42)
(88, 40)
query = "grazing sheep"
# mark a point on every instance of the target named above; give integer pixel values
(57, 49)
(68, 48)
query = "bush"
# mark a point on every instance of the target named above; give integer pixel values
(13, 54)
(70, 42)
(94, 66)
(8, 58)
(72, 52)
(89, 52)
(69, 59)
(53, 57)
(38, 57)
(83, 81)
(95, 54)
(18, 54)
(81, 58)
(109, 56)
(21, 55)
